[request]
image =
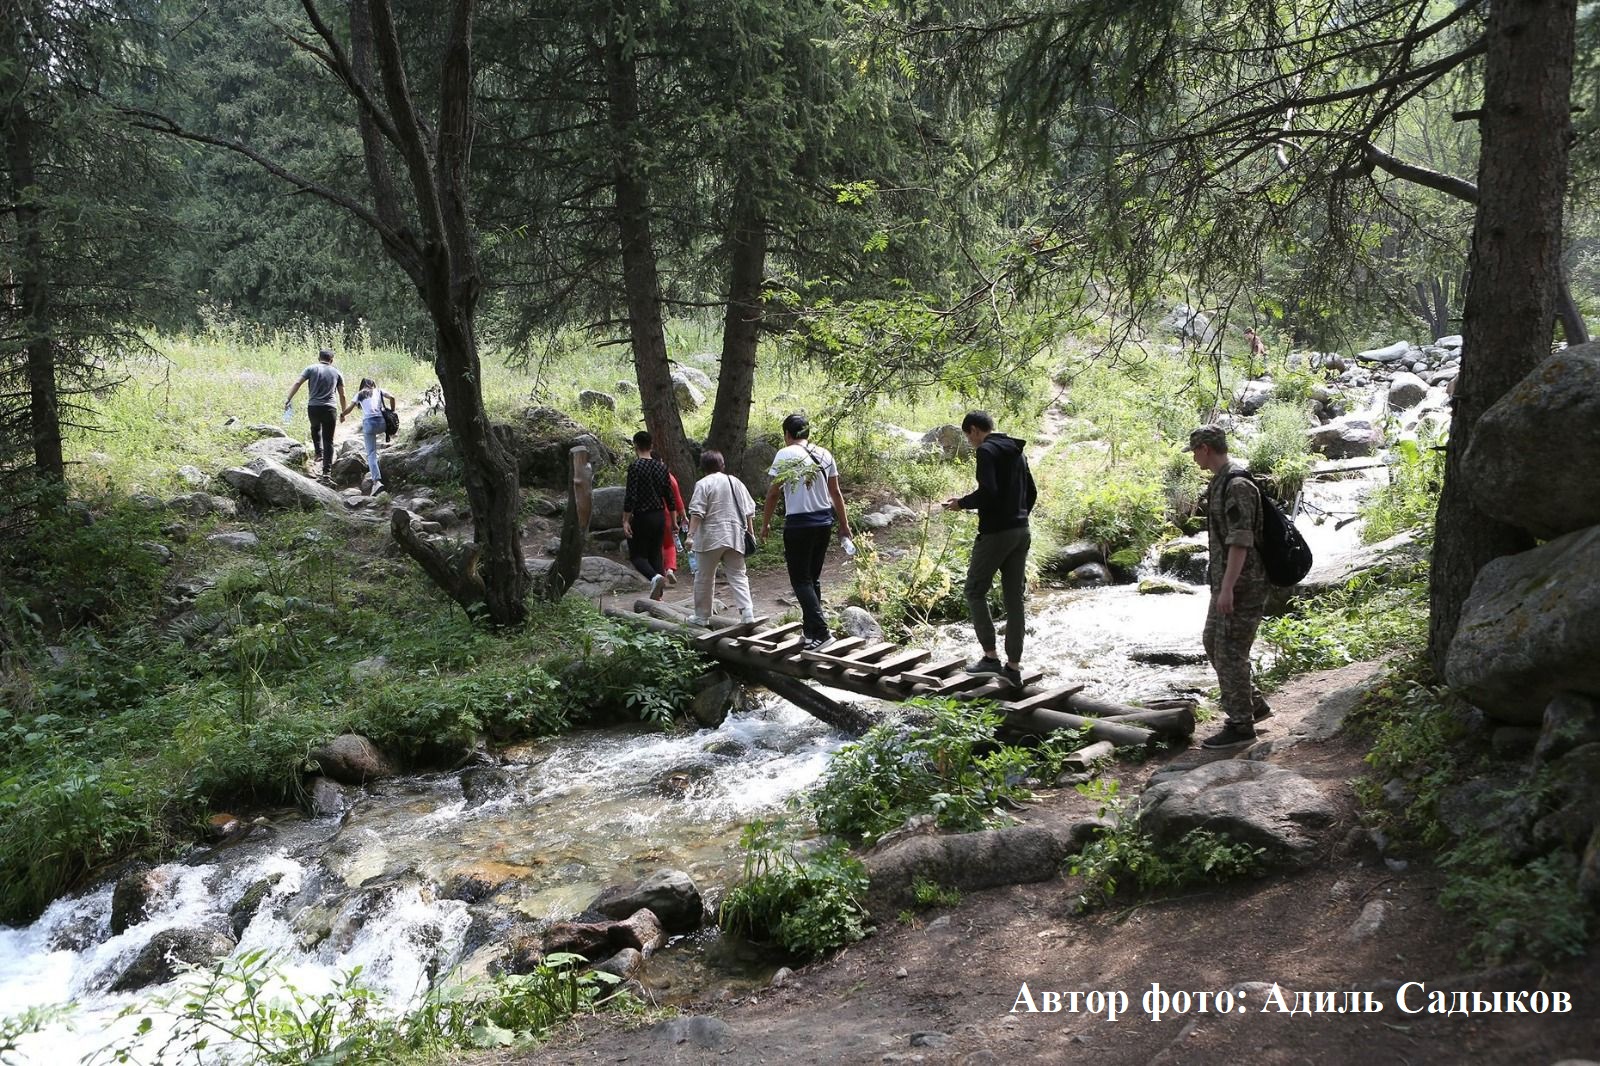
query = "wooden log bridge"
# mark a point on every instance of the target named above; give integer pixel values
(772, 655)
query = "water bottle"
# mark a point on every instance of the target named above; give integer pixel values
(849, 547)
(287, 414)
(684, 550)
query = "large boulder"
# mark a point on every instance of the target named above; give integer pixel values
(271, 484)
(1406, 390)
(1535, 452)
(641, 931)
(135, 890)
(598, 576)
(279, 449)
(1529, 630)
(1347, 437)
(352, 759)
(542, 440)
(200, 504)
(755, 463)
(1389, 353)
(989, 858)
(605, 509)
(948, 441)
(671, 895)
(1068, 557)
(1252, 396)
(429, 462)
(1254, 803)
(159, 960)
(690, 396)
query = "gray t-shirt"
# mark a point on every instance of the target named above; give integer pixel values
(324, 380)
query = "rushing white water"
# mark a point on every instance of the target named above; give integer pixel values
(582, 812)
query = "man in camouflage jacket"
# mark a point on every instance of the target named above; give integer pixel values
(1238, 583)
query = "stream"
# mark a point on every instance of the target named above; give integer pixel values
(567, 817)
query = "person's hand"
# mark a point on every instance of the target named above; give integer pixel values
(1225, 601)
(952, 504)
(627, 530)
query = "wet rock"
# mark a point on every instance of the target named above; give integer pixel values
(1160, 586)
(1571, 720)
(598, 940)
(1527, 630)
(731, 749)
(1535, 451)
(1346, 437)
(1168, 656)
(671, 895)
(858, 622)
(1251, 802)
(626, 964)
(327, 796)
(243, 912)
(1090, 575)
(478, 881)
(352, 759)
(1185, 559)
(159, 960)
(480, 784)
(135, 891)
(715, 692)
(682, 782)
(239, 540)
(1068, 557)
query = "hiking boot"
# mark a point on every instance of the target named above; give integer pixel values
(988, 666)
(658, 587)
(1230, 736)
(1012, 675)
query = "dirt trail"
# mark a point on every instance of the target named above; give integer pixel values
(942, 990)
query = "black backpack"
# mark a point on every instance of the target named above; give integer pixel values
(391, 418)
(1284, 552)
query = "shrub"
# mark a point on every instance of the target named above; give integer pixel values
(807, 904)
(1411, 498)
(1371, 615)
(1280, 448)
(952, 768)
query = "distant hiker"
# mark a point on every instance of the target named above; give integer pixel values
(1258, 351)
(677, 521)
(1238, 585)
(371, 400)
(319, 405)
(721, 518)
(1003, 499)
(644, 512)
(808, 479)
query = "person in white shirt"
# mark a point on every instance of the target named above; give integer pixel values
(721, 514)
(371, 400)
(808, 479)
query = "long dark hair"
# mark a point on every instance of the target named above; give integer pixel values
(367, 385)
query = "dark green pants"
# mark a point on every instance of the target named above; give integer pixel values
(1005, 553)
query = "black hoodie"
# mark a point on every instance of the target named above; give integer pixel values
(1005, 492)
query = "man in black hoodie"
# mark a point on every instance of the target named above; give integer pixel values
(1004, 496)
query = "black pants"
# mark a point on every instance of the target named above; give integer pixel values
(322, 423)
(644, 547)
(804, 551)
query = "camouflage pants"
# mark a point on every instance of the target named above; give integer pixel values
(1228, 638)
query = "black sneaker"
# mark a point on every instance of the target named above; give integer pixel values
(1261, 710)
(815, 643)
(988, 666)
(1230, 736)
(1012, 675)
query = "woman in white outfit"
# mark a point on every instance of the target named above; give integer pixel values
(721, 513)
(371, 400)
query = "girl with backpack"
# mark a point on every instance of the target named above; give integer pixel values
(371, 401)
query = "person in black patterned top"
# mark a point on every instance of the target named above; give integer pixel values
(645, 503)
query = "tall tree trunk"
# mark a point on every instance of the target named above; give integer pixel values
(641, 280)
(1513, 275)
(32, 278)
(741, 328)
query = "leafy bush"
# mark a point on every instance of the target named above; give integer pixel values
(953, 767)
(1280, 448)
(1373, 614)
(924, 585)
(807, 904)
(1411, 498)
(1126, 852)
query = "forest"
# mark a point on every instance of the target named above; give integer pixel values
(1361, 236)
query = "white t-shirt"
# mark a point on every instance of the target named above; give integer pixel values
(372, 406)
(804, 470)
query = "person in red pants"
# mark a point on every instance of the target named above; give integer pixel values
(677, 521)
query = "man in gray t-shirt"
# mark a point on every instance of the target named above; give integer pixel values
(325, 381)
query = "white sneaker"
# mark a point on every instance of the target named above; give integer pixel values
(658, 587)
